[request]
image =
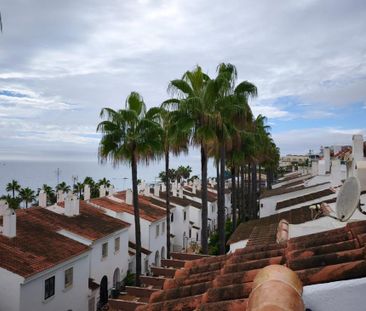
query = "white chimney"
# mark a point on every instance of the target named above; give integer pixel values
(111, 190)
(75, 205)
(128, 197)
(69, 205)
(194, 189)
(102, 191)
(156, 190)
(60, 196)
(42, 199)
(327, 159)
(174, 189)
(87, 192)
(147, 190)
(180, 192)
(9, 220)
(314, 168)
(199, 186)
(163, 188)
(357, 147)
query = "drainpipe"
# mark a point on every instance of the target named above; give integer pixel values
(276, 288)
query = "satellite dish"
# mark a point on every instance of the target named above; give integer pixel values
(348, 198)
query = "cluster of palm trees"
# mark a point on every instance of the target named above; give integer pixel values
(179, 174)
(17, 194)
(210, 113)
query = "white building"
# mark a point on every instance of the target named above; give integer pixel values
(152, 223)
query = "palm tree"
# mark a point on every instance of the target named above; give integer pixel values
(183, 172)
(193, 103)
(51, 197)
(105, 182)
(13, 187)
(63, 187)
(13, 203)
(173, 140)
(27, 195)
(78, 188)
(130, 135)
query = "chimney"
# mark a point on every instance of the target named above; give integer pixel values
(194, 189)
(102, 191)
(76, 205)
(314, 168)
(163, 188)
(174, 189)
(69, 205)
(60, 196)
(156, 190)
(42, 199)
(128, 199)
(357, 147)
(327, 159)
(9, 220)
(181, 192)
(111, 190)
(86, 192)
(199, 186)
(147, 190)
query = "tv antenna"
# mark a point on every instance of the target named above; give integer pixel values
(348, 198)
(58, 173)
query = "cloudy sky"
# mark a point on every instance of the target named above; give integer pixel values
(62, 61)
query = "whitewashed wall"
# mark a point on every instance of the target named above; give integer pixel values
(9, 290)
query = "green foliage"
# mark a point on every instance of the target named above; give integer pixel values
(14, 203)
(213, 244)
(129, 280)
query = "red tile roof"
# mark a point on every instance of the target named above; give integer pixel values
(285, 190)
(148, 211)
(211, 196)
(225, 282)
(91, 223)
(37, 246)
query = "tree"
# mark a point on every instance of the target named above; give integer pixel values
(79, 188)
(104, 182)
(62, 186)
(193, 103)
(183, 172)
(27, 195)
(13, 187)
(130, 135)
(13, 203)
(51, 197)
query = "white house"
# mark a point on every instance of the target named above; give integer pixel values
(152, 222)
(40, 269)
(105, 236)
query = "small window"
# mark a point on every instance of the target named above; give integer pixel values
(49, 287)
(105, 250)
(184, 215)
(116, 244)
(213, 208)
(171, 217)
(163, 228)
(190, 232)
(69, 275)
(157, 231)
(197, 236)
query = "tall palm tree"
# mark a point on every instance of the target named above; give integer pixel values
(194, 94)
(130, 135)
(78, 188)
(63, 187)
(183, 172)
(27, 195)
(13, 203)
(173, 140)
(13, 187)
(105, 182)
(51, 197)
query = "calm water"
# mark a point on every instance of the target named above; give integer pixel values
(34, 174)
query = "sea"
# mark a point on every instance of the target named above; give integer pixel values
(34, 174)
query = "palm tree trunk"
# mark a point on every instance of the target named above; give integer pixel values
(249, 191)
(233, 195)
(254, 192)
(242, 194)
(136, 212)
(260, 178)
(13, 193)
(167, 183)
(221, 207)
(204, 237)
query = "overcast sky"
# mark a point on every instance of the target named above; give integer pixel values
(62, 61)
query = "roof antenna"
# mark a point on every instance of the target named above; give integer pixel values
(1, 23)
(348, 198)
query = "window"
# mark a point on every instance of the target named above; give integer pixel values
(105, 250)
(69, 275)
(190, 232)
(116, 244)
(163, 228)
(157, 231)
(171, 217)
(184, 215)
(197, 236)
(213, 208)
(49, 287)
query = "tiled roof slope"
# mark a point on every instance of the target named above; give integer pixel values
(148, 211)
(91, 223)
(225, 282)
(211, 196)
(304, 198)
(37, 246)
(181, 201)
(294, 216)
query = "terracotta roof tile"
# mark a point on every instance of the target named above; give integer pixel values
(148, 211)
(37, 246)
(206, 284)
